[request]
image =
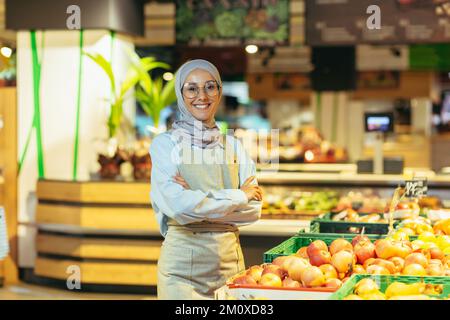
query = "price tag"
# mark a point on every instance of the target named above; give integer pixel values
(416, 188)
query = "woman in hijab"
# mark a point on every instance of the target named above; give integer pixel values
(203, 187)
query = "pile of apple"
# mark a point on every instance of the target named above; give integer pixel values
(318, 265)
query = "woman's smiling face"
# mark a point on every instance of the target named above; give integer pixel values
(202, 106)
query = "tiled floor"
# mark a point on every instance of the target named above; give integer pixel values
(24, 291)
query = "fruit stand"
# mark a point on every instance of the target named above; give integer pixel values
(353, 255)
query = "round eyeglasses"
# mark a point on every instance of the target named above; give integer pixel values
(191, 90)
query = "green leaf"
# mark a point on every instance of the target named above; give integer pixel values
(156, 93)
(130, 81)
(153, 65)
(145, 100)
(145, 81)
(105, 65)
(168, 95)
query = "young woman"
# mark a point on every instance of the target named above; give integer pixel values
(203, 187)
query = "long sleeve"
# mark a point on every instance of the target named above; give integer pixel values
(185, 206)
(251, 212)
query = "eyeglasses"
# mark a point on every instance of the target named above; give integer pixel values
(191, 90)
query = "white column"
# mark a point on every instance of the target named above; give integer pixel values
(59, 78)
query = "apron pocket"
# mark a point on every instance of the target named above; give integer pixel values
(175, 261)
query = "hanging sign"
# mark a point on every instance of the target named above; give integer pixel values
(350, 22)
(232, 22)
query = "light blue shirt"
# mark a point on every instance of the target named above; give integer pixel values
(171, 200)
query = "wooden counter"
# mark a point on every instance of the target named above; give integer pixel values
(104, 258)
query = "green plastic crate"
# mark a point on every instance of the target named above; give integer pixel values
(384, 281)
(325, 224)
(291, 245)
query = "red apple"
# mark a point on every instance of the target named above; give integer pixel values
(364, 250)
(368, 262)
(272, 268)
(328, 271)
(376, 269)
(435, 269)
(414, 269)
(316, 246)
(290, 283)
(319, 258)
(436, 253)
(389, 265)
(398, 262)
(279, 260)
(343, 261)
(333, 283)
(359, 238)
(416, 258)
(244, 279)
(296, 268)
(270, 280)
(313, 277)
(302, 252)
(402, 248)
(255, 272)
(339, 245)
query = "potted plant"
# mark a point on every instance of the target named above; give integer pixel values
(153, 95)
(113, 156)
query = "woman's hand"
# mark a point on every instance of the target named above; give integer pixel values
(180, 180)
(252, 191)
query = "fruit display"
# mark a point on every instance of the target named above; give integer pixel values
(361, 202)
(424, 226)
(371, 288)
(300, 202)
(307, 145)
(351, 215)
(389, 256)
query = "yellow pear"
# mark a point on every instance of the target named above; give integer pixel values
(366, 286)
(403, 289)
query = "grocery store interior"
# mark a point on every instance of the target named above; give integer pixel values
(346, 106)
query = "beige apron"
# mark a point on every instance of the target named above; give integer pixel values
(196, 259)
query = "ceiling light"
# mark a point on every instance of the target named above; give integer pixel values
(6, 51)
(251, 48)
(168, 76)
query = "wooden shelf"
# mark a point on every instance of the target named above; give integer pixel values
(93, 272)
(99, 248)
(114, 192)
(107, 217)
